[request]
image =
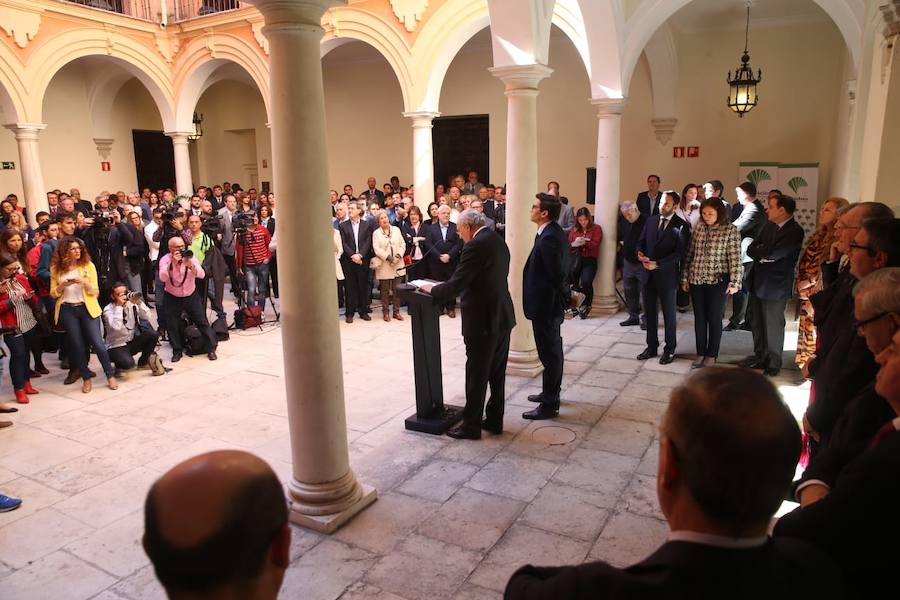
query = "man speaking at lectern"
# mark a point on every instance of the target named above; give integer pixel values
(487, 319)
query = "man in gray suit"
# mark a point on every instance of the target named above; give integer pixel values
(566, 218)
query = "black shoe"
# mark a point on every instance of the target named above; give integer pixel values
(541, 412)
(176, 356)
(494, 427)
(365, 317)
(731, 327)
(64, 364)
(771, 372)
(648, 353)
(536, 397)
(666, 358)
(750, 360)
(461, 431)
(643, 325)
(72, 377)
(745, 327)
(349, 318)
(630, 321)
(212, 355)
(759, 365)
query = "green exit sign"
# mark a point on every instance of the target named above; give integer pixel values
(7, 165)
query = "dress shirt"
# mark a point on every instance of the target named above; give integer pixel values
(720, 541)
(541, 228)
(444, 229)
(663, 223)
(179, 281)
(354, 225)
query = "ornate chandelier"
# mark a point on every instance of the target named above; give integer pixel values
(742, 96)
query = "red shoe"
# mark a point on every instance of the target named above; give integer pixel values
(21, 398)
(29, 389)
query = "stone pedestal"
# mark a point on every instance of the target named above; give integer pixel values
(609, 115)
(30, 165)
(180, 144)
(423, 158)
(521, 185)
(323, 493)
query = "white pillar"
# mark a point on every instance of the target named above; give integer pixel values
(423, 157)
(180, 144)
(30, 167)
(606, 209)
(323, 493)
(521, 186)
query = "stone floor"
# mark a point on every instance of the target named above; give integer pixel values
(453, 518)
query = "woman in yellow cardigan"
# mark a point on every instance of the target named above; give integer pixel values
(73, 282)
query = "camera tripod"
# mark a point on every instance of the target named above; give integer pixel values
(243, 290)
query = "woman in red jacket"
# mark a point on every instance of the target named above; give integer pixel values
(16, 300)
(584, 243)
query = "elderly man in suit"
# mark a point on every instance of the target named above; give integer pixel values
(546, 297)
(443, 246)
(774, 253)
(749, 222)
(854, 517)
(356, 237)
(728, 448)
(661, 247)
(487, 320)
(648, 202)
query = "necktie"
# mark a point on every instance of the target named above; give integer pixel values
(886, 430)
(662, 224)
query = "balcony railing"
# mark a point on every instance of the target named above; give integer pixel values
(191, 9)
(147, 10)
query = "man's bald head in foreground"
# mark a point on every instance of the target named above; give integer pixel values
(216, 525)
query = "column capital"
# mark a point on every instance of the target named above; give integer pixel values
(521, 77)
(664, 128)
(284, 14)
(104, 146)
(607, 107)
(179, 137)
(421, 118)
(26, 131)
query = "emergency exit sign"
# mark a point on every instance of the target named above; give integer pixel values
(7, 165)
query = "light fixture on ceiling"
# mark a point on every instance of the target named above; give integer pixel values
(198, 128)
(742, 94)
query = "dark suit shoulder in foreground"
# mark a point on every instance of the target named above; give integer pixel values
(779, 569)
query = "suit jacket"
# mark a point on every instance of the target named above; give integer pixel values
(647, 205)
(566, 218)
(84, 207)
(490, 209)
(364, 248)
(856, 522)
(775, 252)
(782, 569)
(481, 281)
(375, 195)
(666, 248)
(749, 223)
(436, 245)
(545, 293)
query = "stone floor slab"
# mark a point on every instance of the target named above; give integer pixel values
(620, 436)
(438, 480)
(601, 473)
(34, 537)
(514, 476)
(472, 519)
(326, 571)
(387, 522)
(116, 548)
(110, 501)
(636, 409)
(58, 575)
(567, 511)
(628, 539)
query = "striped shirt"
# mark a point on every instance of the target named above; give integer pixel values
(25, 320)
(255, 249)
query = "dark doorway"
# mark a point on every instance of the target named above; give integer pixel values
(154, 159)
(460, 144)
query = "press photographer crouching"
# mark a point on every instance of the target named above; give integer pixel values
(128, 331)
(179, 271)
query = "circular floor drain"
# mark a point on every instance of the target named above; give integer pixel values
(553, 435)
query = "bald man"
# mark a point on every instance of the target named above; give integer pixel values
(216, 526)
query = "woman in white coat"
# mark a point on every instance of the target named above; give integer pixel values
(389, 248)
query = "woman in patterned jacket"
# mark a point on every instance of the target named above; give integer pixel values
(711, 271)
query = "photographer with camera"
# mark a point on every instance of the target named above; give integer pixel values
(252, 256)
(171, 226)
(179, 271)
(127, 323)
(104, 242)
(203, 232)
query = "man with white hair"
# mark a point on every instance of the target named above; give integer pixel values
(634, 275)
(134, 201)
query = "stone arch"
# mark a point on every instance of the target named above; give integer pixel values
(848, 16)
(604, 22)
(102, 93)
(194, 72)
(12, 88)
(345, 24)
(75, 44)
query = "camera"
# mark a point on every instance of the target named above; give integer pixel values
(101, 218)
(168, 217)
(134, 296)
(211, 226)
(241, 222)
(187, 254)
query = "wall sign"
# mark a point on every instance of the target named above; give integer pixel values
(104, 166)
(8, 165)
(693, 151)
(677, 151)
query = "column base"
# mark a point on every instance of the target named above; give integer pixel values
(524, 364)
(332, 522)
(606, 305)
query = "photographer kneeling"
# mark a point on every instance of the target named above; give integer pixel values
(179, 271)
(124, 335)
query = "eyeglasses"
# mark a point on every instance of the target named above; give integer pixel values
(854, 246)
(861, 325)
(840, 226)
(535, 207)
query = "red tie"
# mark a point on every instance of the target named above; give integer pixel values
(882, 434)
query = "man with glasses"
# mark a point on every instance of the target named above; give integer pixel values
(179, 274)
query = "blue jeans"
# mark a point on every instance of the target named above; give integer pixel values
(82, 332)
(257, 284)
(19, 345)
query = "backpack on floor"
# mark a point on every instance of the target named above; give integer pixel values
(249, 316)
(220, 328)
(192, 338)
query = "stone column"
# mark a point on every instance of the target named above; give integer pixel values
(323, 493)
(609, 115)
(423, 157)
(30, 166)
(521, 186)
(180, 143)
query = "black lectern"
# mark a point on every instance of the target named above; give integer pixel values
(432, 416)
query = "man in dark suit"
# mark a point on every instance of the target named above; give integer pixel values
(660, 249)
(728, 448)
(372, 194)
(648, 202)
(545, 299)
(487, 319)
(749, 222)
(443, 245)
(855, 518)
(356, 237)
(774, 253)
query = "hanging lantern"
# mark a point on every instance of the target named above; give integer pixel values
(742, 94)
(198, 128)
